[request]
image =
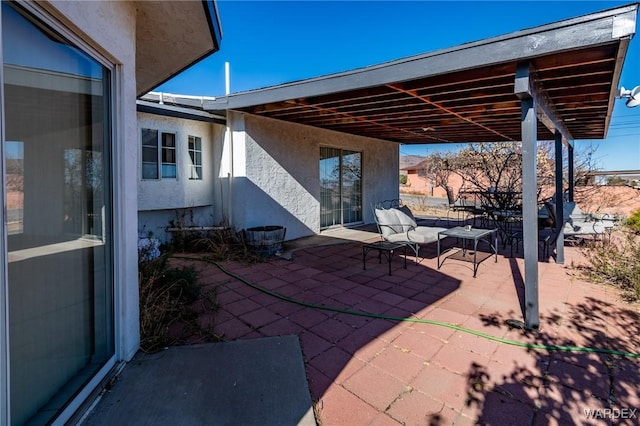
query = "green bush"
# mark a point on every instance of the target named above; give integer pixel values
(633, 222)
(403, 179)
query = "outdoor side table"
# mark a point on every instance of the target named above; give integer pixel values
(385, 248)
(474, 234)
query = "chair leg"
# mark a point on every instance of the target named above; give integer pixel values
(416, 249)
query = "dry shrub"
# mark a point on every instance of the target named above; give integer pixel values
(167, 295)
(226, 244)
(615, 263)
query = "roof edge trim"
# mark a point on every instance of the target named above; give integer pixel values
(485, 53)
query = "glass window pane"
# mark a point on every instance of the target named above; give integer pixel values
(168, 171)
(59, 265)
(168, 155)
(149, 171)
(150, 154)
(168, 140)
(150, 138)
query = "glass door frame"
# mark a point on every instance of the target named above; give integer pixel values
(113, 130)
(342, 152)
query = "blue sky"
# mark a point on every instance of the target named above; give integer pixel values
(269, 43)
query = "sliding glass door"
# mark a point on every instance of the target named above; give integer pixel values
(58, 197)
(340, 187)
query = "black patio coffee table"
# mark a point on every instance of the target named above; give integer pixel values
(384, 247)
(476, 235)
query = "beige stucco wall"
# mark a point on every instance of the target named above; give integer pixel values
(182, 200)
(158, 194)
(280, 184)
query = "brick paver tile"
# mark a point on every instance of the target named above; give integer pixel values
(350, 368)
(565, 403)
(232, 329)
(388, 298)
(383, 419)
(372, 306)
(473, 343)
(280, 327)
(332, 330)
(416, 408)
(229, 296)
(361, 344)
(418, 343)
(318, 382)
(264, 299)
(242, 306)
(308, 317)
(259, 318)
(499, 409)
(458, 360)
(398, 363)
(375, 387)
(442, 385)
(312, 344)
(341, 407)
(580, 378)
(331, 362)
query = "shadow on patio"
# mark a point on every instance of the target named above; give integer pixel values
(440, 367)
(364, 370)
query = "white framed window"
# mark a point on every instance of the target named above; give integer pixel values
(158, 155)
(195, 157)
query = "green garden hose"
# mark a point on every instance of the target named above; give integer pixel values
(416, 320)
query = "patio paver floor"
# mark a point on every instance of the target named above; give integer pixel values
(369, 371)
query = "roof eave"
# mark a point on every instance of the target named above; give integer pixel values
(171, 37)
(576, 33)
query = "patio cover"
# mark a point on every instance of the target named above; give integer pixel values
(553, 82)
(466, 93)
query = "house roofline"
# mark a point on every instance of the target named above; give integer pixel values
(470, 55)
(175, 111)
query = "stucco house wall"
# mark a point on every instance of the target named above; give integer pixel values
(276, 177)
(191, 201)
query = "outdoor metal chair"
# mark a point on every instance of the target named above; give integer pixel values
(397, 224)
(576, 225)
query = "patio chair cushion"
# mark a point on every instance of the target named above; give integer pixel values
(420, 235)
(395, 221)
(575, 226)
(571, 211)
(407, 211)
(583, 228)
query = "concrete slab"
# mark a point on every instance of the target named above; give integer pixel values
(245, 382)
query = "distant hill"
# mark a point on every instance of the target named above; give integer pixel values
(410, 160)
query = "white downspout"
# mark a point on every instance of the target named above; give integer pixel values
(230, 175)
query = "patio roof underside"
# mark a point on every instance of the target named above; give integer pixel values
(475, 105)
(468, 93)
